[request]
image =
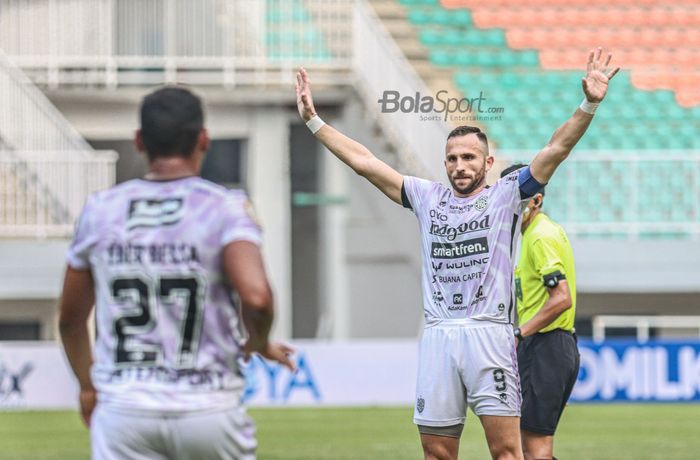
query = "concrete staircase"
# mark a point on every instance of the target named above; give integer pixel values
(395, 18)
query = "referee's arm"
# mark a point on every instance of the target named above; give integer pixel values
(559, 301)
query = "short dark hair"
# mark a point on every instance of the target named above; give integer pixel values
(515, 167)
(171, 120)
(464, 130)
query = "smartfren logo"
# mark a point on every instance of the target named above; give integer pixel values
(461, 249)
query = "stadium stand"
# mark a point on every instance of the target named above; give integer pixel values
(291, 33)
(527, 58)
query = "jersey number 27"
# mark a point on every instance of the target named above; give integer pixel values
(142, 301)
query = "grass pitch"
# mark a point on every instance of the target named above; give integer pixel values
(629, 431)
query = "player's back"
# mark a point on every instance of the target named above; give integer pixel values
(169, 334)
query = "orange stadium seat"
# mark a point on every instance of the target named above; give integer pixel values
(657, 43)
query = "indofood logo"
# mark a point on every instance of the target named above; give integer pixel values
(451, 233)
(440, 107)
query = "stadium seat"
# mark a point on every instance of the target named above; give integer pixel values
(528, 58)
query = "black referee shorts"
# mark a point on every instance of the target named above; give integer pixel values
(548, 364)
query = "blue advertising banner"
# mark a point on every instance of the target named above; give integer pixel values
(625, 370)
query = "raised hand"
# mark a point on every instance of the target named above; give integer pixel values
(305, 103)
(273, 351)
(595, 83)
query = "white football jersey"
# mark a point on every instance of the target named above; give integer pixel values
(169, 332)
(469, 246)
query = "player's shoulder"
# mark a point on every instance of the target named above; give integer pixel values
(545, 230)
(101, 197)
(215, 190)
(424, 185)
(219, 192)
(509, 179)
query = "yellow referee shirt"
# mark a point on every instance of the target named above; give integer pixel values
(545, 251)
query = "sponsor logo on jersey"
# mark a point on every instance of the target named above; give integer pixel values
(480, 296)
(434, 214)
(481, 203)
(451, 233)
(438, 297)
(154, 213)
(460, 249)
(457, 298)
(464, 264)
(458, 209)
(457, 278)
(420, 405)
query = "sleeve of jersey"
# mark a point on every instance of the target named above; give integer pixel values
(413, 192)
(84, 239)
(239, 221)
(547, 261)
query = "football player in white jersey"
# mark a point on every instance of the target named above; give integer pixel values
(173, 266)
(469, 238)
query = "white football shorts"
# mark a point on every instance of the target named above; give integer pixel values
(221, 434)
(464, 363)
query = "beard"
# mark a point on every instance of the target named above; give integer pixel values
(473, 185)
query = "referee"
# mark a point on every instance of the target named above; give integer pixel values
(548, 358)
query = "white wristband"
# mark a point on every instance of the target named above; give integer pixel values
(315, 123)
(588, 107)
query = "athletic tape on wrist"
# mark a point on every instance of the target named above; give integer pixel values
(315, 124)
(588, 107)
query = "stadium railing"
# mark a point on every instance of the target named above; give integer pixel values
(28, 120)
(42, 192)
(643, 324)
(623, 195)
(46, 167)
(381, 66)
(207, 42)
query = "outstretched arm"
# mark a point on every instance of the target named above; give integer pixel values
(595, 86)
(350, 152)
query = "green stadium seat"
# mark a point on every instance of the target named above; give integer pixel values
(419, 16)
(419, 2)
(630, 122)
(461, 18)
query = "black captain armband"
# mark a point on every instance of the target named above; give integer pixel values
(552, 280)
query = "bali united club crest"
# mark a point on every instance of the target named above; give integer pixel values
(481, 203)
(420, 405)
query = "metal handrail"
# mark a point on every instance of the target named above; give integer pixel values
(642, 324)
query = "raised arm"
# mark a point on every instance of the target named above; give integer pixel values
(350, 152)
(595, 86)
